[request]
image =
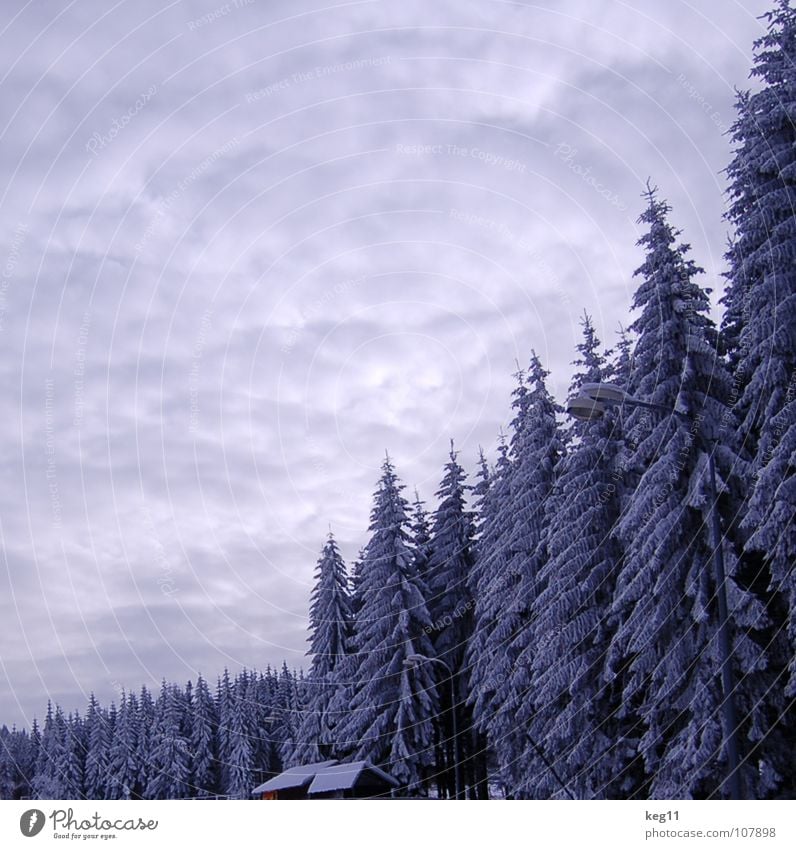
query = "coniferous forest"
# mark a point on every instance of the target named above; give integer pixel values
(551, 625)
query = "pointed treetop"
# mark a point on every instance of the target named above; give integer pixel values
(536, 373)
(650, 192)
(483, 465)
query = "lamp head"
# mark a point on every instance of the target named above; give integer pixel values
(585, 409)
(608, 392)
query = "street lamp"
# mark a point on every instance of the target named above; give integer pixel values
(410, 662)
(589, 406)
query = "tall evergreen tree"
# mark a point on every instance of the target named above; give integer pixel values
(481, 758)
(73, 758)
(7, 764)
(494, 519)
(170, 759)
(204, 752)
(761, 295)
(98, 735)
(43, 781)
(450, 607)
(514, 559)
(145, 727)
(420, 531)
(480, 492)
(330, 612)
(491, 486)
(32, 760)
(123, 767)
(760, 326)
(239, 755)
(449, 565)
(390, 716)
(569, 708)
(264, 762)
(288, 714)
(665, 650)
(224, 707)
(18, 752)
(50, 765)
(330, 636)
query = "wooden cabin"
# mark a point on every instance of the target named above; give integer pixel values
(329, 780)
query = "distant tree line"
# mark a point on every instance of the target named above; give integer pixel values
(183, 742)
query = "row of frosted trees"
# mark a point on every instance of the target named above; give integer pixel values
(186, 742)
(570, 618)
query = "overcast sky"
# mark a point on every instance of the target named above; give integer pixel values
(248, 246)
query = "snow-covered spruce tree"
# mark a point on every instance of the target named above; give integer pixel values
(270, 733)
(288, 714)
(330, 634)
(16, 763)
(760, 327)
(330, 612)
(204, 753)
(761, 295)
(420, 532)
(264, 762)
(223, 732)
(486, 494)
(450, 607)
(26, 790)
(59, 771)
(170, 768)
(390, 716)
(18, 752)
(481, 759)
(145, 728)
(6, 765)
(123, 767)
(664, 654)
(480, 490)
(238, 757)
(26, 763)
(73, 758)
(491, 531)
(569, 708)
(98, 737)
(344, 681)
(354, 582)
(48, 781)
(512, 569)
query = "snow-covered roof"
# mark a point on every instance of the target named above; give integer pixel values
(345, 776)
(296, 776)
(326, 777)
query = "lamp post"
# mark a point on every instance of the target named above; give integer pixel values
(591, 405)
(410, 662)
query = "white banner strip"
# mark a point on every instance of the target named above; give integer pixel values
(398, 824)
